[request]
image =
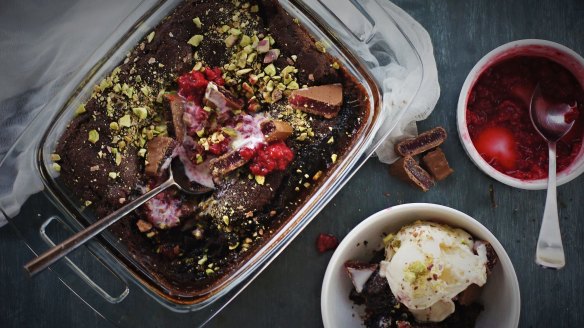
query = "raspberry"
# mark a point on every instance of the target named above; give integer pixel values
(272, 157)
(247, 153)
(215, 75)
(192, 86)
(220, 147)
(326, 242)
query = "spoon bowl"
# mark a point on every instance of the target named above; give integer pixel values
(552, 121)
(176, 178)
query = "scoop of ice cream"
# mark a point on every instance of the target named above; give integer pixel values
(427, 264)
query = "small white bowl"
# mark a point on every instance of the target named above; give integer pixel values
(531, 47)
(500, 296)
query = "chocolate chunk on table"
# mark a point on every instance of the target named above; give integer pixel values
(435, 162)
(425, 141)
(408, 170)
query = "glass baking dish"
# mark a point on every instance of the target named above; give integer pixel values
(42, 212)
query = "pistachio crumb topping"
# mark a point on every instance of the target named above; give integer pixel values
(125, 121)
(93, 136)
(141, 112)
(195, 40)
(80, 110)
(150, 36)
(197, 22)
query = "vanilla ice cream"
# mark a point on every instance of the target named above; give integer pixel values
(427, 264)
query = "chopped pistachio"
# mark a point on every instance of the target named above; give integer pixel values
(230, 40)
(320, 46)
(245, 41)
(317, 175)
(335, 65)
(88, 202)
(270, 70)
(80, 109)
(201, 132)
(225, 219)
(141, 112)
(260, 179)
(229, 131)
(113, 175)
(145, 90)
(125, 121)
(331, 140)
(197, 233)
(142, 152)
(55, 157)
(232, 247)
(235, 31)
(195, 40)
(56, 167)
(202, 260)
(293, 85)
(251, 57)
(93, 136)
(388, 239)
(243, 71)
(198, 66)
(334, 158)
(114, 126)
(118, 159)
(306, 185)
(254, 9)
(197, 22)
(199, 159)
(150, 36)
(209, 271)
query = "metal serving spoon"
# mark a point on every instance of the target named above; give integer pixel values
(176, 178)
(549, 119)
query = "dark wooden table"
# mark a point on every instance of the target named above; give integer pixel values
(287, 294)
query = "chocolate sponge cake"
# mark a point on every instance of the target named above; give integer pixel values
(211, 87)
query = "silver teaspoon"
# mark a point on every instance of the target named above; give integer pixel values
(549, 119)
(176, 178)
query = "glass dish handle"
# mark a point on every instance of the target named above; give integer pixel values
(77, 270)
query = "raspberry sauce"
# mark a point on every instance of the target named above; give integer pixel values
(498, 116)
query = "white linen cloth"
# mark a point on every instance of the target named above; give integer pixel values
(43, 43)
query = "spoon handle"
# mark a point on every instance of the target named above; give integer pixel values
(58, 251)
(550, 252)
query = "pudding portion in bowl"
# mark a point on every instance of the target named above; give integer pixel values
(428, 275)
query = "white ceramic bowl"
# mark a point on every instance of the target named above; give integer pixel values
(532, 47)
(500, 296)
